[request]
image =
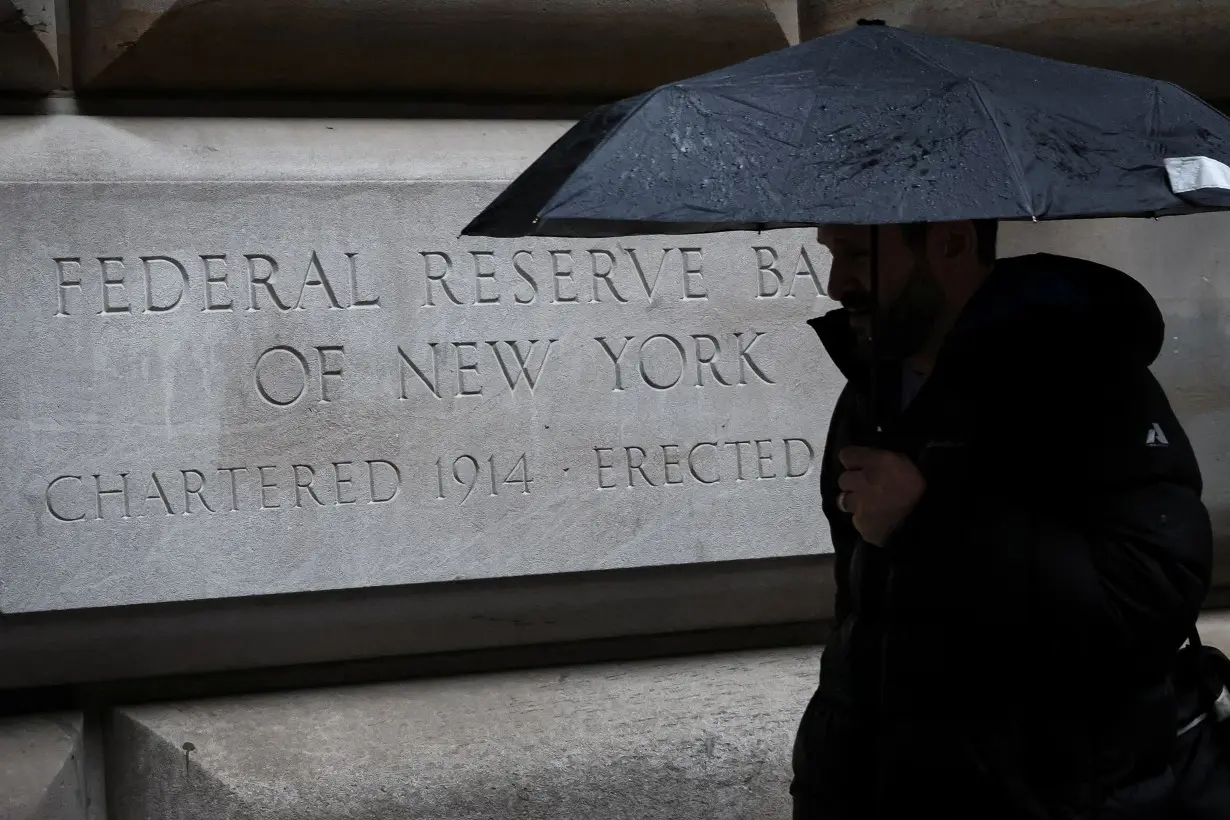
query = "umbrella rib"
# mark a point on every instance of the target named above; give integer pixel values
(922, 55)
(1018, 174)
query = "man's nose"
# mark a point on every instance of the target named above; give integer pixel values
(837, 284)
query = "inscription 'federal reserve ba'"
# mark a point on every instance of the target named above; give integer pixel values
(336, 392)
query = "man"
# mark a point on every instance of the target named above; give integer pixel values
(1020, 550)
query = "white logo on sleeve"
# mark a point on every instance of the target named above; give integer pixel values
(1156, 437)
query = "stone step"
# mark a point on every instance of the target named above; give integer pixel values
(42, 768)
(706, 737)
(701, 737)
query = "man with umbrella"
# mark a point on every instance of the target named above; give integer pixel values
(1018, 557)
(1021, 546)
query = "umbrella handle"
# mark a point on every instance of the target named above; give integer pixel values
(873, 382)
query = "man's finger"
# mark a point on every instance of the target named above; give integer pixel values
(856, 458)
(845, 502)
(853, 480)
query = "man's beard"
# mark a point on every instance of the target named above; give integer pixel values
(905, 325)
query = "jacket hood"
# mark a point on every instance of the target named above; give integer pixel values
(1042, 308)
(1082, 311)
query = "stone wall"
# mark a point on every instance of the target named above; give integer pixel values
(269, 423)
(1182, 42)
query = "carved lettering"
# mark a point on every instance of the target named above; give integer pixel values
(108, 282)
(168, 282)
(693, 274)
(63, 282)
(263, 278)
(762, 458)
(181, 282)
(371, 482)
(301, 485)
(329, 370)
(662, 360)
(234, 487)
(811, 457)
(605, 275)
(67, 499)
(433, 384)
(522, 360)
(211, 280)
(707, 463)
(668, 383)
(770, 280)
(646, 285)
(745, 359)
(315, 277)
(438, 278)
(766, 262)
(480, 276)
(287, 389)
(158, 494)
(560, 273)
(99, 493)
(600, 452)
(804, 269)
(356, 300)
(58, 508)
(527, 276)
(191, 491)
(338, 481)
(266, 486)
(615, 358)
(466, 368)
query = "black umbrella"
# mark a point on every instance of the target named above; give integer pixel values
(873, 126)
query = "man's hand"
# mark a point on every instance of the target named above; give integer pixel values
(879, 488)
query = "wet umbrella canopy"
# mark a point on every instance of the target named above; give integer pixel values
(874, 125)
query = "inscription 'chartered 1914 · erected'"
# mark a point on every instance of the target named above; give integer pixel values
(394, 408)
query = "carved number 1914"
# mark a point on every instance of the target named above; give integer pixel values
(467, 472)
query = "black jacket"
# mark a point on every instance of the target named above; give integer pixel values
(1007, 653)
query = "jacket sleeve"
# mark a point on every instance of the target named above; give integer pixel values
(1080, 513)
(841, 531)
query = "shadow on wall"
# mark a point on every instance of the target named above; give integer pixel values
(1185, 264)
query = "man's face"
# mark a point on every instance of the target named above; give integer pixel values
(911, 297)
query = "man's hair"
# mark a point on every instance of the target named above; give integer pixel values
(985, 230)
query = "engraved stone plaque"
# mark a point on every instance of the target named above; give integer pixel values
(229, 387)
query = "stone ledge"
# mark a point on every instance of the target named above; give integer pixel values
(29, 54)
(41, 771)
(1179, 42)
(694, 738)
(502, 48)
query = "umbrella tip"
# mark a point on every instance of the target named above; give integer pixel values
(865, 22)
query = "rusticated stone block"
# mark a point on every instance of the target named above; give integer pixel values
(500, 48)
(29, 61)
(694, 739)
(1183, 42)
(41, 771)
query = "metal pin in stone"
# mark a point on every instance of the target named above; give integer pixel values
(188, 748)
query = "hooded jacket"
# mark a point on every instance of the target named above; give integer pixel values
(1008, 652)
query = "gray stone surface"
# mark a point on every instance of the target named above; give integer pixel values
(41, 768)
(28, 46)
(536, 48)
(1183, 42)
(393, 405)
(706, 738)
